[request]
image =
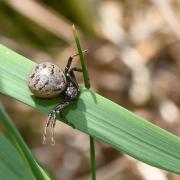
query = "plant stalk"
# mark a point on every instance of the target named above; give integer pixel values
(93, 158)
(87, 85)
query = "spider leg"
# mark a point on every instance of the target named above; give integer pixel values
(70, 61)
(60, 107)
(51, 122)
(75, 69)
(59, 110)
(72, 77)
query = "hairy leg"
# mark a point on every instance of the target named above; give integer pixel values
(70, 61)
(51, 121)
(72, 77)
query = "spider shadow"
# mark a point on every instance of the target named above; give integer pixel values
(78, 111)
(45, 105)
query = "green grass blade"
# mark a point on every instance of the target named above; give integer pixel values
(96, 116)
(20, 144)
(12, 165)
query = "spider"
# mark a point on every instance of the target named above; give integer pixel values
(47, 80)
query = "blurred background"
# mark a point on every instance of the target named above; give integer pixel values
(133, 59)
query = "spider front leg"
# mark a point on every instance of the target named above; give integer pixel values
(70, 61)
(51, 121)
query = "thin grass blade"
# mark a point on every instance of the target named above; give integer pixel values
(96, 116)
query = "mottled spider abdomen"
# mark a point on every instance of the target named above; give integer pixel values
(47, 80)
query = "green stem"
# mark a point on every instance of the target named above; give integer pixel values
(87, 85)
(93, 158)
(84, 68)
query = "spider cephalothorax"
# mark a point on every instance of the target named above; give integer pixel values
(47, 80)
